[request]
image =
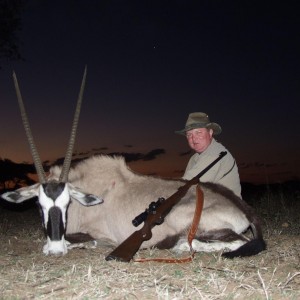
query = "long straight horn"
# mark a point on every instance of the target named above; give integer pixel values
(67, 162)
(36, 159)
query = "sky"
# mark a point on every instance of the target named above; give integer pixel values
(151, 63)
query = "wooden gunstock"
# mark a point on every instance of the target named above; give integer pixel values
(125, 251)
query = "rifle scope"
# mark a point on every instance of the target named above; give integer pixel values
(151, 209)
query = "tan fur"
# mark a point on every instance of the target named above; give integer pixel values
(127, 194)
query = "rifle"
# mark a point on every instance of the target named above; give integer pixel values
(153, 216)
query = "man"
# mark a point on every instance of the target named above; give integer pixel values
(200, 133)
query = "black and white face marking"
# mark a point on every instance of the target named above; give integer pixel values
(54, 199)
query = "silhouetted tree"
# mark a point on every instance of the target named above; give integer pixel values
(10, 24)
(15, 174)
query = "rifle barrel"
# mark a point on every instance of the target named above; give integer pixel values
(221, 155)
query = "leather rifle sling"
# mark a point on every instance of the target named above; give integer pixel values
(192, 232)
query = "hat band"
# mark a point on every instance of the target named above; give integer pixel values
(196, 125)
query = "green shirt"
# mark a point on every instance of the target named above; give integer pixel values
(224, 172)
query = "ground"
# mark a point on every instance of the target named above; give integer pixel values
(26, 273)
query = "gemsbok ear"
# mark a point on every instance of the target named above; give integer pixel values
(22, 194)
(83, 198)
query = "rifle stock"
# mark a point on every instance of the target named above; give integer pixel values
(127, 249)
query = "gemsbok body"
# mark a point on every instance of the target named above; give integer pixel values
(224, 220)
(225, 217)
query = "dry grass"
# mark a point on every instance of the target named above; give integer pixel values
(25, 273)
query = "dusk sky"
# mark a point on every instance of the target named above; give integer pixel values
(151, 63)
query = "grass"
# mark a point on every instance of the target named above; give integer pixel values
(25, 273)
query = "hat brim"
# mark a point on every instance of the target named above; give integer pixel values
(214, 126)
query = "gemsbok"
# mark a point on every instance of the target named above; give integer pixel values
(224, 222)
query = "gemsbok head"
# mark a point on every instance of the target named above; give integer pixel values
(54, 196)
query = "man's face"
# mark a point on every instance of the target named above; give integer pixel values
(199, 138)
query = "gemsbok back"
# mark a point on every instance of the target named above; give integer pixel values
(54, 196)
(224, 223)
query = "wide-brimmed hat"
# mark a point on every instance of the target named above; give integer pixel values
(200, 120)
